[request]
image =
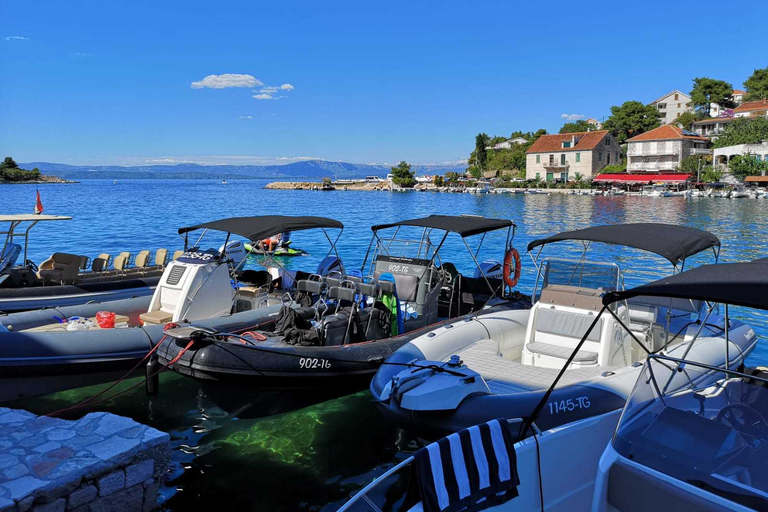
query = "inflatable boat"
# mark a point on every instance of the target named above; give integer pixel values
(691, 436)
(502, 365)
(341, 327)
(52, 349)
(67, 279)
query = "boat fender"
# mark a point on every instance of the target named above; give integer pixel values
(512, 253)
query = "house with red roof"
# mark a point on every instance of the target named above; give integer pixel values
(663, 149)
(757, 108)
(716, 111)
(672, 105)
(565, 156)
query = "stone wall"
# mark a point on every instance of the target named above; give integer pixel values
(101, 462)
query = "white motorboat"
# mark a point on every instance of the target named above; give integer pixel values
(502, 364)
(656, 191)
(692, 436)
(66, 279)
(739, 192)
(614, 191)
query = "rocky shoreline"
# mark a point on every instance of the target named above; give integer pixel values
(42, 181)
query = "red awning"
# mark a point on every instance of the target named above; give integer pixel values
(642, 178)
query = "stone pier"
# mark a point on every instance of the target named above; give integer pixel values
(101, 462)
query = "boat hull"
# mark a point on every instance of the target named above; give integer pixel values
(37, 297)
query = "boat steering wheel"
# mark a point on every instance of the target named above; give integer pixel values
(743, 418)
(31, 265)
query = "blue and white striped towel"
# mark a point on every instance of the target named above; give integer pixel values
(470, 470)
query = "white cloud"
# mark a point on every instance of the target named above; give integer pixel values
(269, 89)
(287, 87)
(246, 117)
(225, 81)
(264, 97)
(16, 38)
(80, 54)
(572, 117)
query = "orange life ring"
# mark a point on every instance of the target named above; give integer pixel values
(512, 253)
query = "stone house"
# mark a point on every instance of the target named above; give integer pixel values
(711, 128)
(757, 108)
(564, 156)
(672, 105)
(663, 148)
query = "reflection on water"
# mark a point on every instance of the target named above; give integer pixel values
(301, 450)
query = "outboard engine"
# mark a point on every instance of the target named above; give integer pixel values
(236, 251)
(195, 286)
(330, 264)
(492, 268)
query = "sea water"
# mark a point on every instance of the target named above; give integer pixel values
(300, 450)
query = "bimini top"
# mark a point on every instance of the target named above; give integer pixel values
(464, 225)
(740, 284)
(258, 228)
(31, 217)
(675, 243)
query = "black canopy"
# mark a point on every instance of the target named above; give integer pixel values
(740, 284)
(257, 228)
(464, 225)
(675, 243)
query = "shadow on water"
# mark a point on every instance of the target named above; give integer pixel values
(250, 449)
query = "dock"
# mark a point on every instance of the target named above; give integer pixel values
(101, 462)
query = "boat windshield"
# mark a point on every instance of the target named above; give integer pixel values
(584, 274)
(701, 425)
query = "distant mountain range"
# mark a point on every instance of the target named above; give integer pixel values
(313, 170)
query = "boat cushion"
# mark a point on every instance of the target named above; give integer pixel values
(572, 296)
(504, 376)
(567, 323)
(157, 316)
(545, 349)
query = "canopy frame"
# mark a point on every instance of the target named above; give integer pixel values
(17, 220)
(378, 244)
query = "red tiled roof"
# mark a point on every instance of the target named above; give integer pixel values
(666, 132)
(749, 106)
(756, 179)
(552, 143)
(642, 178)
(739, 91)
(714, 120)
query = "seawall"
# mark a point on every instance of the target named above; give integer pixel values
(101, 462)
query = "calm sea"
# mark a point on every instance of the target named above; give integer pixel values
(272, 450)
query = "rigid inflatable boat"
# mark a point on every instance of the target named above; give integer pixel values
(52, 349)
(502, 365)
(691, 436)
(344, 326)
(67, 279)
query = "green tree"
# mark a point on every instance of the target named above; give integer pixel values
(576, 126)
(403, 176)
(711, 175)
(451, 177)
(708, 90)
(742, 166)
(9, 163)
(481, 157)
(438, 181)
(686, 119)
(630, 119)
(743, 130)
(692, 164)
(757, 85)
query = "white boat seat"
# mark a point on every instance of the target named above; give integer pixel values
(567, 324)
(545, 349)
(156, 317)
(504, 376)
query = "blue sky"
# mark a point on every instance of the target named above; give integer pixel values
(112, 82)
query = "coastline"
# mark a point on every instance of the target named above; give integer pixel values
(44, 180)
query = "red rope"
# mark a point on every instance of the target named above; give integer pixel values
(89, 401)
(175, 359)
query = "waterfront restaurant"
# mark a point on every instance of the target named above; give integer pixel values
(637, 181)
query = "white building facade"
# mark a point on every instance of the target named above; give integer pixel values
(672, 105)
(663, 149)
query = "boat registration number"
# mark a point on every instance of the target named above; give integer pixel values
(313, 363)
(569, 405)
(399, 269)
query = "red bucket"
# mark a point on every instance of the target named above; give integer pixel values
(105, 319)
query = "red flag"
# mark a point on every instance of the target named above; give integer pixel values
(38, 205)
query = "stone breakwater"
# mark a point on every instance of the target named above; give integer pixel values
(101, 462)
